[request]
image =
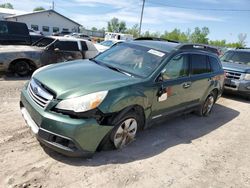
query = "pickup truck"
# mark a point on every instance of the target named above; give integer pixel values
(236, 64)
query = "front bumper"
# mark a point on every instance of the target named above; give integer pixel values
(71, 137)
(241, 87)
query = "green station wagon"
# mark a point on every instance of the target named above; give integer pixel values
(81, 106)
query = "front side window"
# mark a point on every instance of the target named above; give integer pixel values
(45, 28)
(137, 60)
(177, 67)
(199, 64)
(67, 45)
(43, 42)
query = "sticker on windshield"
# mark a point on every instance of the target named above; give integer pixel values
(155, 52)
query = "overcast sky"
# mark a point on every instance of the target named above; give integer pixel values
(158, 16)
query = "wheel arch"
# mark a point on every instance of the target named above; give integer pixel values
(29, 61)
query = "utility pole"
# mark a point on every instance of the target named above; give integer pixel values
(142, 10)
(53, 5)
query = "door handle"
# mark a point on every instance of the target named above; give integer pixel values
(186, 85)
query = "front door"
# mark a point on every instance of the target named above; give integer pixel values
(171, 87)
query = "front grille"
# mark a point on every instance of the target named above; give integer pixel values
(233, 75)
(38, 94)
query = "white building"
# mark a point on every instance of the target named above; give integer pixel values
(47, 21)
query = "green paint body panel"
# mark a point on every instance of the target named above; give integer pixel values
(81, 77)
(86, 132)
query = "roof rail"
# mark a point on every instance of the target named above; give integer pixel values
(156, 39)
(199, 47)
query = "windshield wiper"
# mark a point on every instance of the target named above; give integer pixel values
(92, 59)
(118, 70)
(110, 67)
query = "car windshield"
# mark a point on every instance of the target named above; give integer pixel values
(236, 57)
(43, 42)
(136, 60)
(107, 43)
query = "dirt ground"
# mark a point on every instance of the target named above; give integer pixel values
(187, 151)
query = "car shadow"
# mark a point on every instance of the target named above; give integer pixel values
(12, 77)
(157, 139)
(235, 97)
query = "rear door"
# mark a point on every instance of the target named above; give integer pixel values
(170, 90)
(201, 77)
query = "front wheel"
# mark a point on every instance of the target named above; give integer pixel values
(22, 68)
(125, 129)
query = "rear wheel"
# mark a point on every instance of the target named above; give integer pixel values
(22, 68)
(206, 108)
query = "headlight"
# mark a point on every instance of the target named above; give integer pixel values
(247, 77)
(83, 103)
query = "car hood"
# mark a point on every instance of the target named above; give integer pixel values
(18, 48)
(101, 48)
(81, 77)
(236, 67)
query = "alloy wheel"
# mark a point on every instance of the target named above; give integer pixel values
(125, 133)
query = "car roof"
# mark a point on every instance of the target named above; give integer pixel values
(157, 45)
(61, 38)
(241, 50)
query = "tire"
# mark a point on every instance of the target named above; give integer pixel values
(125, 129)
(207, 106)
(22, 68)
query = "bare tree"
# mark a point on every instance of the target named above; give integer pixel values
(242, 39)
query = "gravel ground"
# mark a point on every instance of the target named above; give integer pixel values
(186, 151)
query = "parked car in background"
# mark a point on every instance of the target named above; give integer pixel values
(22, 59)
(104, 45)
(81, 106)
(79, 35)
(62, 33)
(35, 35)
(118, 36)
(236, 64)
(33, 32)
(14, 33)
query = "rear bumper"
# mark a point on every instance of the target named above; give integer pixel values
(71, 137)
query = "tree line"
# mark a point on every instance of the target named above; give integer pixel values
(10, 6)
(198, 35)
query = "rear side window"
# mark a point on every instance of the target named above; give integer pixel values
(84, 46)
(67, 45)
(215, 64)
(199, 64)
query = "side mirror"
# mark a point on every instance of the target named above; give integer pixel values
(160, 77)
(56, 49)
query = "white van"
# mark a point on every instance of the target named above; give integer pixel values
(118, 36)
